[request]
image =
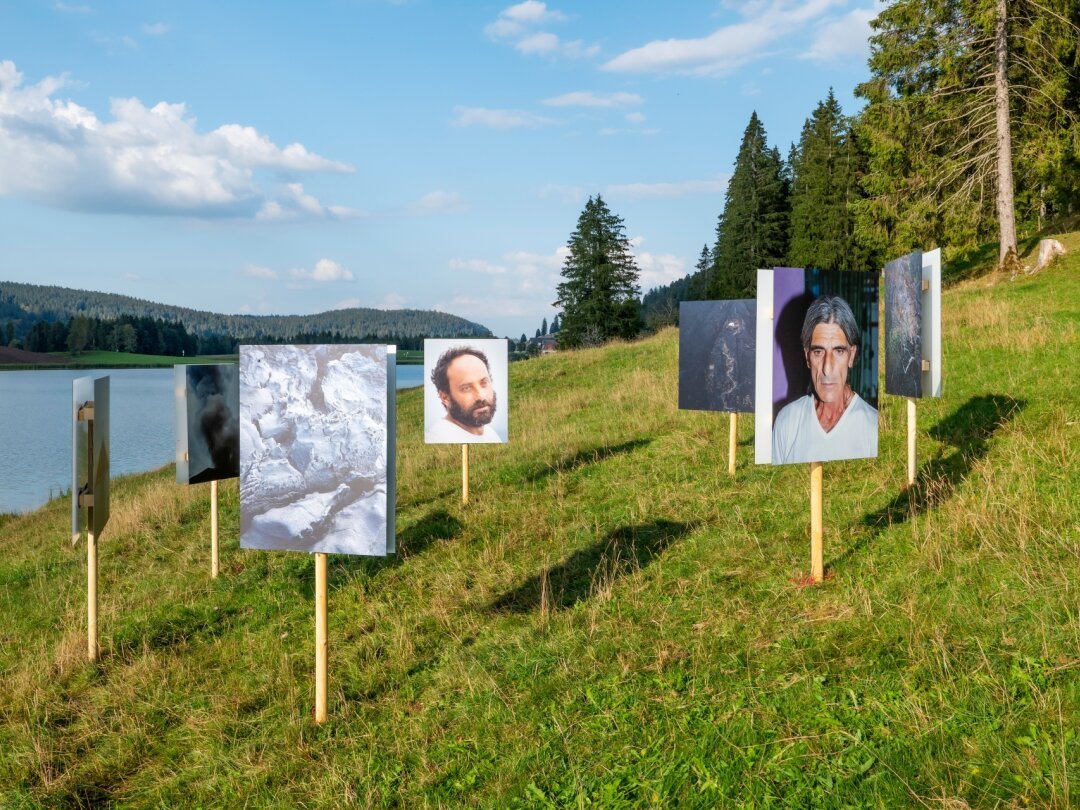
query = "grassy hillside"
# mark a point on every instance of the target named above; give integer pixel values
(613, 621)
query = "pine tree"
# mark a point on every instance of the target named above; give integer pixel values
(825, 168)
(752, 232)
(599, 294)
(543, 328)
(554, 325)
(699, 284)
(963, 95)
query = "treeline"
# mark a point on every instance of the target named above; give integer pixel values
(155, 336)
(124, 334)
(970, 135)
(26, 304)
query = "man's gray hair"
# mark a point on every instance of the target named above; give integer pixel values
(830, 308)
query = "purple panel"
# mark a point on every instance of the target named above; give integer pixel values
(789, 284)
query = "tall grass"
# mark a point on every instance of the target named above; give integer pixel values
(612, 621)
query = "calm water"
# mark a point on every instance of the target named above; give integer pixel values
(35, 427)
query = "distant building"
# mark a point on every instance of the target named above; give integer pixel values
(545, 344)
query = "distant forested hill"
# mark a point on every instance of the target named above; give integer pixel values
(26, 304)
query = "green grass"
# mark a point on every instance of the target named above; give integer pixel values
(612, 622)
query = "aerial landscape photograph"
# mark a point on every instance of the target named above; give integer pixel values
(411, 404)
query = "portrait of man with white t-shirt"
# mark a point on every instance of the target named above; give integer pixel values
(831, 421)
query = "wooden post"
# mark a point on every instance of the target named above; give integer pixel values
(464, 473)
(320, 639)
(91, 591)
(213, 531)
(733, 440)
(817, 557)
(911, 441)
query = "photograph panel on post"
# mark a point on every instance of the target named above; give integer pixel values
(315, 448)
(824, 366)
(931, 323)
(208, 419)
(716, 355)
(903, 326)
(89, 454)
(466, 391)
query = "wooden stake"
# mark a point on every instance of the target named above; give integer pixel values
(911, 441)
(213, 531)
(733, 440)
(91, 591)
(817, 557)
(464, 473)
(320, 639)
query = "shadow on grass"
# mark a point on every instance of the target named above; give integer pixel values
(968, 429)
(592, 570)
(582, 458)
(171, 627)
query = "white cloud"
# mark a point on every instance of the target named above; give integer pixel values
(477, 266)
(521, 25)
(584, 98)
(843, 37)
(392, 301)
(68, 8)
(497, 119)
(440, 202)
(658, 269)
(292, 202)
(728, 47)
(636, 118)
(156, 29)
(325, 270)
(532, 11)
(258, 271)
(638, 191)
(505, 307)
(347, 303)
(145, 160)
(540, 42)
(565, 193)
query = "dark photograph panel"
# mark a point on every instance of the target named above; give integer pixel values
(213, 422)
(903, 326)
(716, 355)
(90, 454)
(825, 388)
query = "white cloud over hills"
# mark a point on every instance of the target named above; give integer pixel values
(145, 160)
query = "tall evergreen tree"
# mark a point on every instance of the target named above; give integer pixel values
(599, 293)
(752, 231)
(825, 169)
(543, 327)
(963, 96)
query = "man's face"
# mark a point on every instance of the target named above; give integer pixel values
(471, 399)
(829, 357)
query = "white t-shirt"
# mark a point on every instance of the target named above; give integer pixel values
(798, 435)
(446, 432)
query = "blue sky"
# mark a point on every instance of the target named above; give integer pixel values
(272, 157)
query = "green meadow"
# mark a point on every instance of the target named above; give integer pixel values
(613, 621)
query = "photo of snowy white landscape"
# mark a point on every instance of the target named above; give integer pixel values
(315, 449)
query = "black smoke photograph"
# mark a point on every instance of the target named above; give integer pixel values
(903, 326)
(716, 355)
(207, 422)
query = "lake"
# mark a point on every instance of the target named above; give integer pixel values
(35, 427)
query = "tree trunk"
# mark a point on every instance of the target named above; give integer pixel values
(1005, 200)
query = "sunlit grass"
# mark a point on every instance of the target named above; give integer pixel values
(612, 621)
